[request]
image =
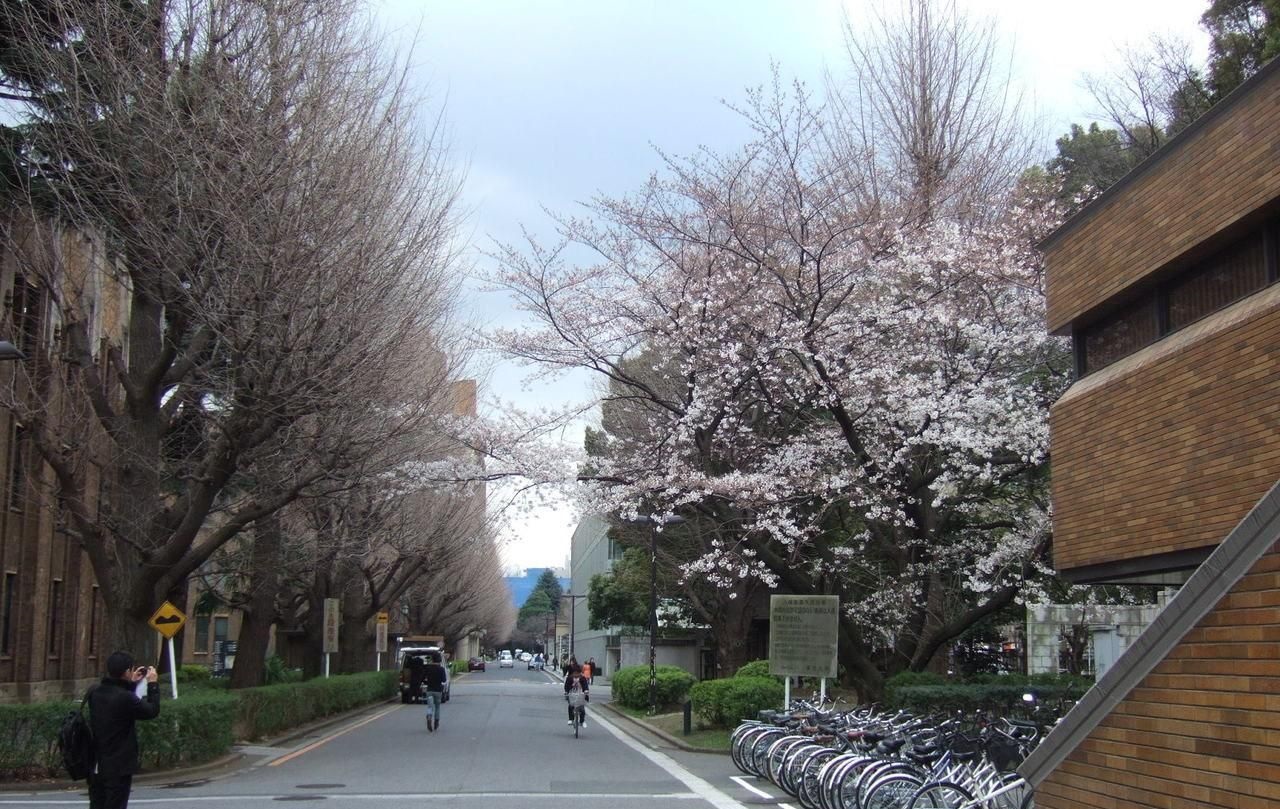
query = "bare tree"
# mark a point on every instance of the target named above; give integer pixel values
(1151, 94)
(927, 113)
(282, 251)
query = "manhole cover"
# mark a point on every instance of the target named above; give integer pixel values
(321, 786)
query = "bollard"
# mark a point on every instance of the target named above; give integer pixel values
(688, 717)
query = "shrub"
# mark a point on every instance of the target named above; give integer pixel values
(271, 709)
(194, 673)
(631, 686)
(1002, 695)
(756, 668)
(277, 672)
(457, 666)
(188, 731)
(725, 703)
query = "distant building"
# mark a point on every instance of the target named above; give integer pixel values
(522, 586)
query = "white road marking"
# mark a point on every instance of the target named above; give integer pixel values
(703, 788)
(742, 782)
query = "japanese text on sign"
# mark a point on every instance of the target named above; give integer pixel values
(803, 635)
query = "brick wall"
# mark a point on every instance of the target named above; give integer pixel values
(1217, 177)
(1203, 728)
(1169, 448)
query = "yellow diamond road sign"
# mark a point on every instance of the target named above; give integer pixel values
(167, 620)
(384, 617)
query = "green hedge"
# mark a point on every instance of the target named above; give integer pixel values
(1002, 694)
(631, 686)
(271, 709)
(756, 668)
(457, 667)
(197, 727)
(725, 703)
(188, 731)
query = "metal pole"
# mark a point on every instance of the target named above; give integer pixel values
(173, 670)
(653, 619)
(573, 615)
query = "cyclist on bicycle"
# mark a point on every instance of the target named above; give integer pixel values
(575, 681)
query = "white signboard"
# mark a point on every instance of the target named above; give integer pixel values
(803, 635)
(332, 620)
(380, 637)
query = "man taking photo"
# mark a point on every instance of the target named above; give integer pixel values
(114, 707)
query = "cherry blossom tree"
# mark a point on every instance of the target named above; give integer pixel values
(849, 378)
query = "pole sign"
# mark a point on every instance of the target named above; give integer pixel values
(167, 620)
(331, 622)
(380, 637)
(803, 635)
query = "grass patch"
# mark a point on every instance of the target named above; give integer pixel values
(711, 740)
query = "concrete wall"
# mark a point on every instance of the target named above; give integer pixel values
(1045, 623)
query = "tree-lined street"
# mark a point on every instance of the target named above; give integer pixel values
(502, 738)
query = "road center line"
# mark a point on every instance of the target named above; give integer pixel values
(703, 788)
(290, 756)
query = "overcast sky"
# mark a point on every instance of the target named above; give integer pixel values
(550, 102)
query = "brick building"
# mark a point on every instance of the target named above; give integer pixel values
(1166, 457)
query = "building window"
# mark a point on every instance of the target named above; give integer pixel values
(219, 628)
(55, 617)
(1121, 335)
(7, 616)
(615, 549)
(1222, 281)
(17, 467)
(93, 621)
(202, 634)
(1246, 267)
(25, 303)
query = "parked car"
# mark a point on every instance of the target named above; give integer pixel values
(424, 654)
(526, 657)
(475, 664)
(536, 663)
(506, 661)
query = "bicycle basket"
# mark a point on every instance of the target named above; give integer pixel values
(577, 698)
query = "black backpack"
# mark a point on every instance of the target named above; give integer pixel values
(75, 742)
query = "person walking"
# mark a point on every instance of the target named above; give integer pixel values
(114, 708)
(434, 675)
(576, 681)
(587, 670)
(591, 670)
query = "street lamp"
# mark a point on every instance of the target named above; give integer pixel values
(654, 522)
(573, 609)
(9, 351)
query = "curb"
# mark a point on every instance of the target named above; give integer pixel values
(660, 733)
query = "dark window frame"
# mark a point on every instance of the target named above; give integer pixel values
(56, 596)
(1160, 296)
(6, 613)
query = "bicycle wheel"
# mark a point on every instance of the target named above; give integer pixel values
(757, 761)
(810, 781)
(789, 771)
(873, 773)
(893, 791)
(940, 795)
(777, 754)
(739, 744)
(746, 746)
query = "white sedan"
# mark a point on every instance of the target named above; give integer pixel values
(506, 662)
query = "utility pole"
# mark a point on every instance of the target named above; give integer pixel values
(573, 604)
(655, 523)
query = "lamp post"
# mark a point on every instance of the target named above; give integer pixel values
(9, 351)
(654, 523)
(573, 609)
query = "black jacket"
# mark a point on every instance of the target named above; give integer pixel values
(113, 709)
(577, 679)
(435, 675)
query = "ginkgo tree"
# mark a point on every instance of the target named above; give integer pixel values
(845, 366)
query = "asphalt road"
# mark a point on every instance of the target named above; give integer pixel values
(503, 738)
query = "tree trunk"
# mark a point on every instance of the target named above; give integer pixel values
(260, 613)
